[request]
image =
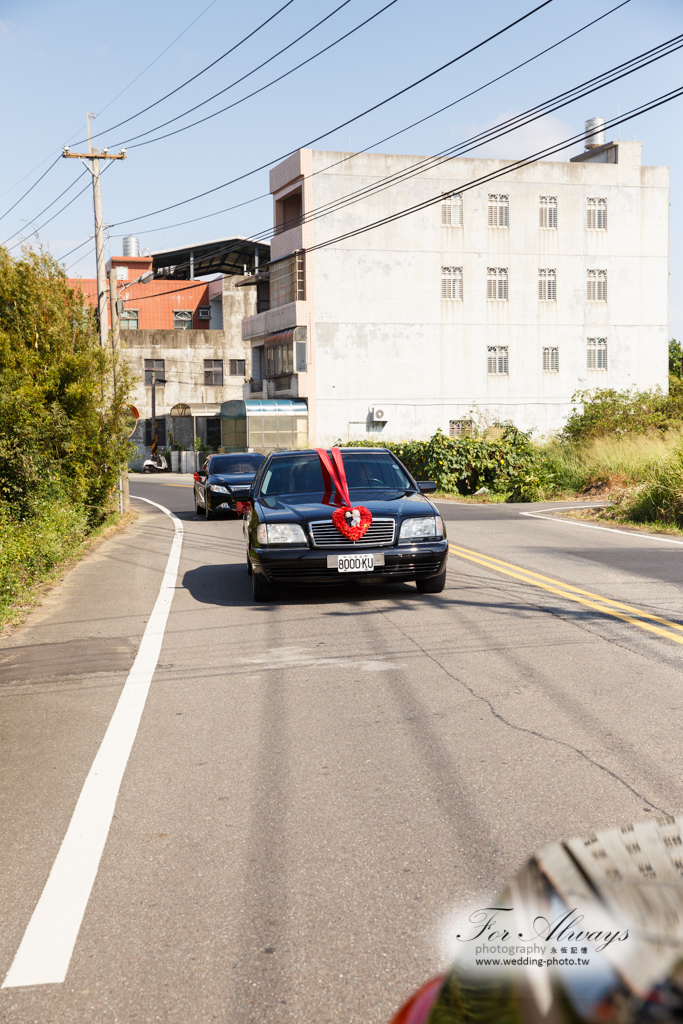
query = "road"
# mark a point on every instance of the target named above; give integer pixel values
(317, 786)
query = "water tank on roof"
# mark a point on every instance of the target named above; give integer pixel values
(131, 245)
(593, 138)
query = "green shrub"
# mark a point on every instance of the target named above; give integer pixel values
(660, 499)
(605, 411)
(32, 548)
(511, 465)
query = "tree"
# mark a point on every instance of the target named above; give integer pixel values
(61, 408)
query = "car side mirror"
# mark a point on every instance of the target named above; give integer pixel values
(426, 486)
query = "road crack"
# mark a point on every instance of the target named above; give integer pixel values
(521, 728)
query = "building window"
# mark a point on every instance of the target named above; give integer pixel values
(596, 286)
(213, 373)
(279, 359)
(596, 214)
(236, 368)
(497, 359)
(551, 359)
(460, 428)
(161, 432)
(547, 211)
(499, 211)
(204, 312)
(596, 356)
(287, 280)
(451, 212)
(497, 283)
(182, 319)
(128, 321)
(154, 368)
(451, 283)
(547, 285)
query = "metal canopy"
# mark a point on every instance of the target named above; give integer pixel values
(239, 409)
(220, 256)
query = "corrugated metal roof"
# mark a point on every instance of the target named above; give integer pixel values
(240, 409)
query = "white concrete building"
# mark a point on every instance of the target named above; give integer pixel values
(496, 303)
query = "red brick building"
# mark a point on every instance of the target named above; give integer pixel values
(158, 305)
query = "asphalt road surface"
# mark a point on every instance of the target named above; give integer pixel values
(318, 785)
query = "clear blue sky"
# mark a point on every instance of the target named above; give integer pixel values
(57, 60)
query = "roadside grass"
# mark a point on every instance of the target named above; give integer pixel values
(608, 464)
(37, 551)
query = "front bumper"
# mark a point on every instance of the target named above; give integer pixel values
(300, 565)
(224, 502)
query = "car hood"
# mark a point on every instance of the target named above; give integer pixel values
(232, 479)
(309, 507)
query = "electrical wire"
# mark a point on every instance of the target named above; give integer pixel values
(483, 179)
(474, 142)
(2, 216)
(344, 124)
(194, 77)
(500, 172)
(387, 138)
(248, 75)
(46, 208)
(54, 215)
(144, 70)
(75, 249)
(275, 80)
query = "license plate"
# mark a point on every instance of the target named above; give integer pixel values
(355, 562)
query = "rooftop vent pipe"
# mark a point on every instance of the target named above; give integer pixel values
(594, 138)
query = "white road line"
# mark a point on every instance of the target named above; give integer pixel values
(45, 951)
(589, 526)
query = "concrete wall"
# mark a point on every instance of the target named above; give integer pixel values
(184, 353)
(382, 336)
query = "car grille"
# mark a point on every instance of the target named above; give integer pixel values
(326, 535)
(299, 574)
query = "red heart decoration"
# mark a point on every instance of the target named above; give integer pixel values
(343, 517)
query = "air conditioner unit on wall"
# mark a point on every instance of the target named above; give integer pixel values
(378, 415)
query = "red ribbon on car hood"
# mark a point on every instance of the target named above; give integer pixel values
(351, 522)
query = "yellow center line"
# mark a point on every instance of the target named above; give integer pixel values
(572, 593)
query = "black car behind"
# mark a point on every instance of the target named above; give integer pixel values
(291, 538)
(223, 481)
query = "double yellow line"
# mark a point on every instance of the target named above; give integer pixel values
(625, 612)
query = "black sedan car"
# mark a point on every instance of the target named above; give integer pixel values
(291, 537)
(224, 481)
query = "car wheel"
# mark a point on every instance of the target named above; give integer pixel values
(433, 585)
(207, 511)
(250, 571)
(198, 510)
(261, 589)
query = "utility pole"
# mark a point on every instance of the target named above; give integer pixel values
(93, 156)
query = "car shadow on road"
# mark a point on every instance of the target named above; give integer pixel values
(228, 585)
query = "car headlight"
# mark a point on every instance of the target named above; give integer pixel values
(280, 533)
(219, 489)
(424, 528)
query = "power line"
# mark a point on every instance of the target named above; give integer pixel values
(59, 152)
(401, 131)
(2, 216)
(151, 63)
(192, 79)
(248, 75)
(75, 249)
(275, 80)
(54, 215)
(46, 208)
(497, 131)
(500, 172)
(344, 124)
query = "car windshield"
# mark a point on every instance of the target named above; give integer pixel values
(236, 463)
(302, 474)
